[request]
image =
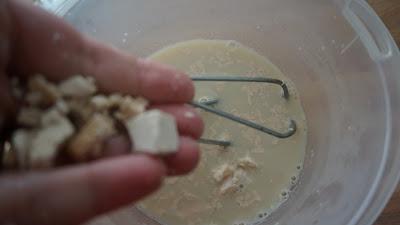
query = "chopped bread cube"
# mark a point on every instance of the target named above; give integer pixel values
(42, 92)
(21, 142)
(231, 177)
(34, 98)
(247, 163)
(223, 172)
(29, 117)
(45, 144)
(230, 185)
(78, 87)
(130, 107)
(87, 143)
(9, 157)
(62, 106)
(80, 111)
(115, 99)
(153, 132)
(51, 116)
(100, 103)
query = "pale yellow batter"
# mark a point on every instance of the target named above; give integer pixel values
(248, 180)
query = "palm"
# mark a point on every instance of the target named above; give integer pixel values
(74, 194)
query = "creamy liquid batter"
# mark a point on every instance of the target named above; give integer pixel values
(249, 192)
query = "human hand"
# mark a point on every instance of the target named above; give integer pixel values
(33, 41)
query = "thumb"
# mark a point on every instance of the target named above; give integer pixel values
(74, 195)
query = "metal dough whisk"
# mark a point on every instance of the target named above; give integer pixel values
(206, 103)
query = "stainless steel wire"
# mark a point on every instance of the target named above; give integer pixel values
(206, 103)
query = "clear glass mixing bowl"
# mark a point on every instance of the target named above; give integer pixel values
(343, 61)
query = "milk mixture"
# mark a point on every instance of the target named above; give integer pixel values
(248, 180)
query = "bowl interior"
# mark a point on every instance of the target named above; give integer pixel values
(340, 85)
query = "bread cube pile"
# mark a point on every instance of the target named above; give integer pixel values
(72, 120)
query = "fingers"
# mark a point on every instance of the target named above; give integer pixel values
(162, 83)
(182, 162)
(188, 120)
(185, 160)
(73, 195)
(46, 44)
(116, 71)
